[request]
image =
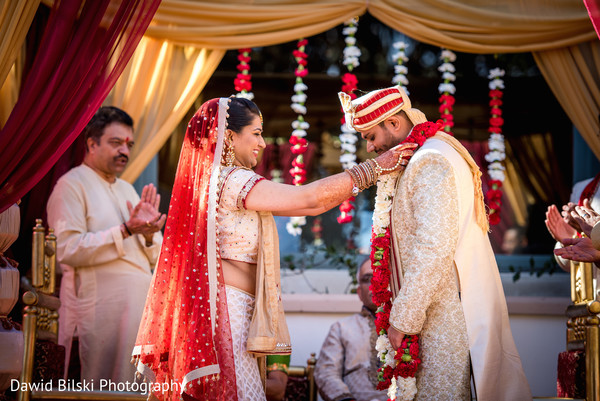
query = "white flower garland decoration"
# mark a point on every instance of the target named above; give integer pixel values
(299, 126)
(402, 388)
(351, 51)
(497, 153)
(348, 137)
(400, 70)
(447, 88)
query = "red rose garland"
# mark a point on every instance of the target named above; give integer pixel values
(497, 154)
(348, 137)
(447, 89)
(298, 141)
(397, 373)
(242, 82)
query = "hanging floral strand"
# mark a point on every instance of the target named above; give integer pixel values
(298, 138)
(243, 80)
(400, 70)
(317, 230)
(497, 154)
(348, 136)
(447, 88)
(398, 367)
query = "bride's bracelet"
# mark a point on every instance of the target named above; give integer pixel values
(380, 169)
(363, 175)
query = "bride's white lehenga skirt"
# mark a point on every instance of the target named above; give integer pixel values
(240, 306)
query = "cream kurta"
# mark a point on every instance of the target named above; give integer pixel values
(435, 236)
(105, 277)
(347, 364)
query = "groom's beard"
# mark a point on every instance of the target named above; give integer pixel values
(390, 141)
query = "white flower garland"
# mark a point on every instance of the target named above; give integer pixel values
(403, 388)
(299, 126)
(497, 153)
(447, 88)
(400, 70)
(348, 137)
(447, 69)
(351, 51)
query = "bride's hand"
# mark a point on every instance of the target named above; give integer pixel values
(396, 158)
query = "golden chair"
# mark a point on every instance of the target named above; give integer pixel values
(40, 321)
(583, 326)
(303, 373)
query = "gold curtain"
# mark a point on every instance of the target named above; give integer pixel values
(559, 32)
(473, 26)
(15, 18)
(157, 88)
(573, 74)
(241, 23)
(9, 91)
(488, 26)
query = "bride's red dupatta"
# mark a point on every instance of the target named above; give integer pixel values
(184, 340)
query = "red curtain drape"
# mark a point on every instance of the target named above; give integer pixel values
(84, 49)
(593, 8)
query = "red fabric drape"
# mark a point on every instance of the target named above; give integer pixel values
(177, 340)
(593, 9)
(84, 49)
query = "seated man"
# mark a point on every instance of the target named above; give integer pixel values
(347, 365)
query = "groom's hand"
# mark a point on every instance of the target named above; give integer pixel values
(395, 337)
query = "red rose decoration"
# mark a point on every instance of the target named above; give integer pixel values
(496, 93)
(494, 217)
(299, 54)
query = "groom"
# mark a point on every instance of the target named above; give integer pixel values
(445, 282)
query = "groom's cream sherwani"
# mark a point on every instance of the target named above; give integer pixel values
(439, 251)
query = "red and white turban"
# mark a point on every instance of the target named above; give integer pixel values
(371, 109)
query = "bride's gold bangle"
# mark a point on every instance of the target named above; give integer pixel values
(363, 175)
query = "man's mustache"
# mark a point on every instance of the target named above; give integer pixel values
(122, 156)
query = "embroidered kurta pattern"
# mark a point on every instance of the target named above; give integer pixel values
(425, 223)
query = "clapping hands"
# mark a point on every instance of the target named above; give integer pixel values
(585, 217)
(145, 218)
(558, 227)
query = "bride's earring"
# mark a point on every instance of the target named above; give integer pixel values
(230, 154)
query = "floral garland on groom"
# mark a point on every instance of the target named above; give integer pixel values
(399, 367)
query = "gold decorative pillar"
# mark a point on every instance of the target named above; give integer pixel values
(583, 326)
(40, 317)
